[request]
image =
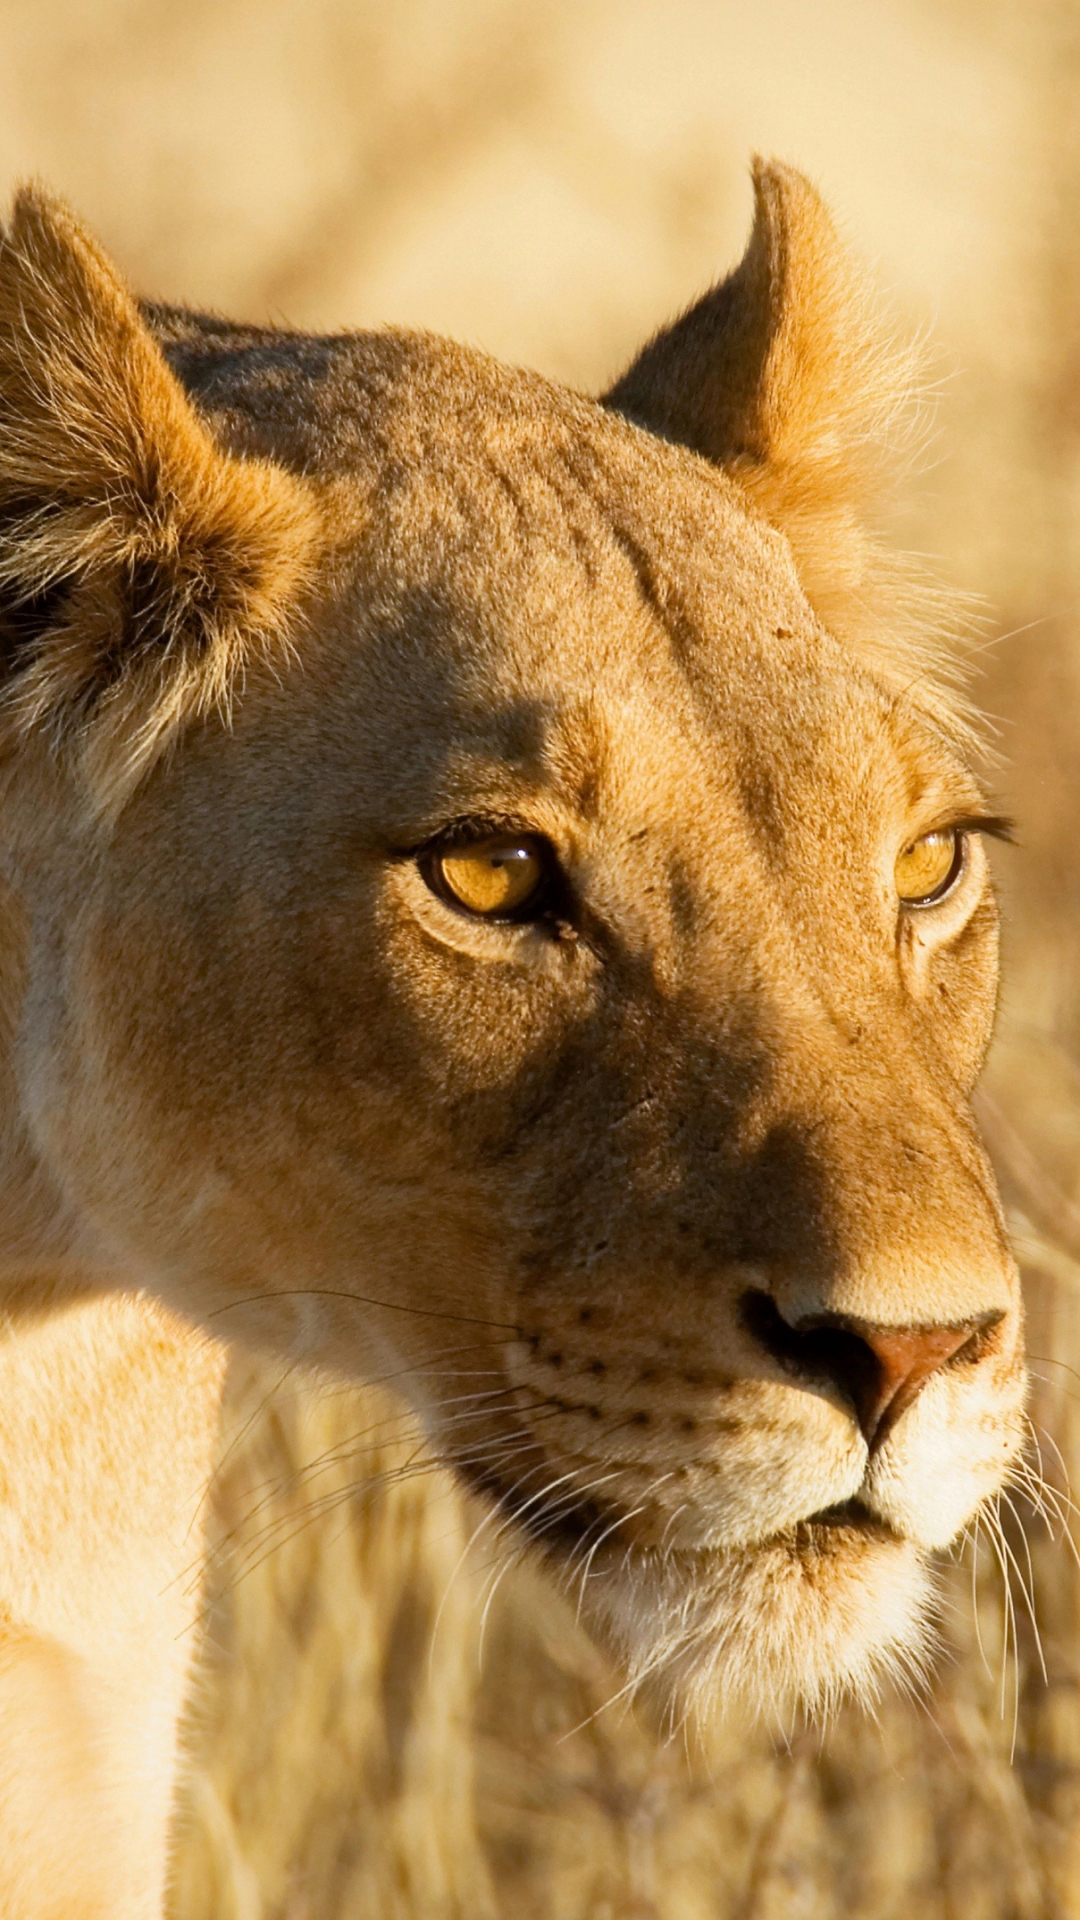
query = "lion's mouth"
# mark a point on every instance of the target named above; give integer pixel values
(849, 1516)
(564, 1524)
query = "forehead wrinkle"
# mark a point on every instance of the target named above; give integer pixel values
(672, 805)
(558, 502)
(816, 744)
(528, 490)
(727, 809)
(527, 755)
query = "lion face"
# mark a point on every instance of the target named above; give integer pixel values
(559, 988)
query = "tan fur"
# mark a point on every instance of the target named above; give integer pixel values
(280, 610)
(789, 375)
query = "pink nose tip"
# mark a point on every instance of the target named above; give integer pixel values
(906, 1357)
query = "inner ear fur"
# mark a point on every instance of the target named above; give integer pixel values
(787, 375)
(140, 565)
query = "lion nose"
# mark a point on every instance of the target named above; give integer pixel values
(879, 1369)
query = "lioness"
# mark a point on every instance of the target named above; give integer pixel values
(495, 895)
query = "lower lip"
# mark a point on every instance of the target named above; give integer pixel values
(850, 1517)
(825, 1529)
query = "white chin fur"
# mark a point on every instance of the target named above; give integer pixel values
(777, 1632)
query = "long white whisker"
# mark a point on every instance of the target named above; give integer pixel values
(1026, 1584)
(975, 1554)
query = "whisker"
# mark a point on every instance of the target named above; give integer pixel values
(273, 1535)
(509, 1561)
(1027, 1585)
(362, 1300)
(620, 1519)
(975, 1537)
(995, 1534)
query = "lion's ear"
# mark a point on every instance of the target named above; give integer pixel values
(139, 563)
(785, 376)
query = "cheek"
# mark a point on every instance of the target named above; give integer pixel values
(961, 997)
(480, 1025)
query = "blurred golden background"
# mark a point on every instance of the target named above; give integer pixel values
(551, 178)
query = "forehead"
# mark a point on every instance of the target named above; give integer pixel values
(545, 598)
(531, 593)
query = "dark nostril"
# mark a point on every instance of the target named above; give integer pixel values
(879, 1369)
(824, 1352)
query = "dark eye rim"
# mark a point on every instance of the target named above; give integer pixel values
(545, 901)
(958, 866)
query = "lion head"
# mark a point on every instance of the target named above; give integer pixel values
(498, 900)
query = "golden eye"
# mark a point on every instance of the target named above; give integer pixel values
(501, 877)
(927, 869)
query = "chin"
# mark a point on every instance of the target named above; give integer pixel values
(784, 1632)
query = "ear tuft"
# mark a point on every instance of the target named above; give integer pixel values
(787, 376)
(139, 564)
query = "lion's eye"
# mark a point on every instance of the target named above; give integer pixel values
(501, 877)
(929, 867)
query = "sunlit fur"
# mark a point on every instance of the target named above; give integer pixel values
(278, 612)
(779, 1632)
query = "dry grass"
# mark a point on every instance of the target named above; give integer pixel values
(550, 178)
